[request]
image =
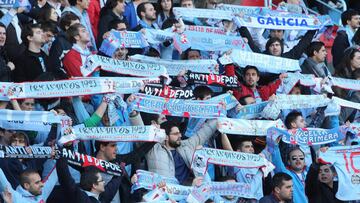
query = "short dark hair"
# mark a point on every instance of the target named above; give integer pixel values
(248, 67)
(28, 30)
(291, 117)
(99, 143)
(2, 25)
(271, 41)
(73, 2)
(44, 14)
(66, 19)
(241, 142)
(200, 92)
(73, 31)
(110, 4)
(89, 177)
(49, 27)
(185, 54)
(242, 100)
(314, 46)
(24, 176)
(141, 8)
(114, 23)
(347, 15)
(278, 179)
(167, 125)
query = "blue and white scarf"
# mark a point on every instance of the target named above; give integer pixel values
(174, 67)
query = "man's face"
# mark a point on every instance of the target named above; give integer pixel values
(247, 147)
(298, 123)
(2, 36)
(296, 91)
(84, 4)
(187, 4)
(109, 151)
(211, 4)
(174, 138)
(150, 13)
(326, 175)
(27, 105)
(48, 36)
(297, 160)
(99, 187)
(120, 53)
(35, 185)
(277, 33)
(251, 78)
(18, 142)
(286, 190)
(38, 36)
(194, 55)
(120, 7)
(275, 49)
(84, 36)
(354, 23)
(320, 55)
(121, 27)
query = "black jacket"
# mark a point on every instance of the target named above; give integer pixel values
(78, 195)
(104, 24)
(12, 46)
(29, 66)
(58, 49)
(5, 71)
(341, 42)
(318, 192)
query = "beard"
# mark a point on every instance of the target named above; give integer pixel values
(174, 144)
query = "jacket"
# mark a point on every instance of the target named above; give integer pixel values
(160, 159)
(30, 65)
(72, 62)
(317, 191)
(271, 199)
(311, 67)
(5, 71)
(243, 90)
(104, 24)
(94, 15)
(78, 195)
(299, 189)
(130, 15)
(20, 195)
(58, 49)
(341, 42)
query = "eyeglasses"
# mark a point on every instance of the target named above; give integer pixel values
(99, 181)
(297, 158)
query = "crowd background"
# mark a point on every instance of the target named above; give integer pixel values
(48, 40)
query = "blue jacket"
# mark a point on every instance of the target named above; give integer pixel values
(299, 188)
(130, 15)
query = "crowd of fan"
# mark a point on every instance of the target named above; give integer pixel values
(52, 40)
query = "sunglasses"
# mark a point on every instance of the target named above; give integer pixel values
(297, 158)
